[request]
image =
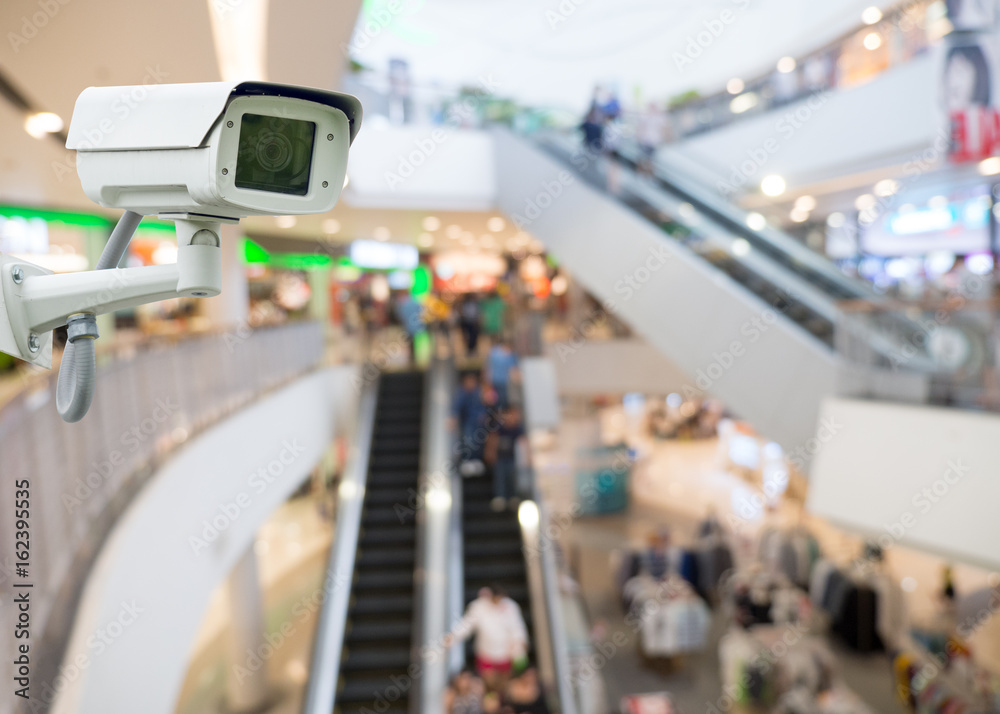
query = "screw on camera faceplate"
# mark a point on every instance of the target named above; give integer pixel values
(17, 274)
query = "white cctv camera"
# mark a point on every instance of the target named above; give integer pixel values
(218, 149)
(198, 154)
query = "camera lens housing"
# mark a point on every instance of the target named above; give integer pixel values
(275, 154)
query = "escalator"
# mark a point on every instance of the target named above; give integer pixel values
(493, 554)
(748, 315)
(382, 613)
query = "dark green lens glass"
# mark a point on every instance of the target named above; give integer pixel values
(275, 154)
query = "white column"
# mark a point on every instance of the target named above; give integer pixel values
(319, 301)
(232, 306)
(246, 675)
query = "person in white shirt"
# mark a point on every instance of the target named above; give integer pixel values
(501, 635)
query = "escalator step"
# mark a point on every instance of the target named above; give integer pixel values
(389, 516)
(387, 536)
(477, 486)
(487, 528)
(393, 477)
(372, 690)
(374, 659)
(397, 444)
(491, 571)
(387, 495)
(368, 631)
(384, 604)
(506, 549)
(380, 557)
(395, 461)
(382, 579)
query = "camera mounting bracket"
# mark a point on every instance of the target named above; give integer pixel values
(33, 300)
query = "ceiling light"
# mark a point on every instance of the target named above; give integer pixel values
(331, 226)
(740, 247)
(871, 15)
(41, 124)
(743, 103)
(799, 215)
(426, 240)
(886, 187)
(873, 41)
(805, 203)
(756, 221)
(496, 224)
(285, 221)
(431, 223)
(453, 231)
(865, 202)
(787, 64)
(467, 239)
(381, 233)
(773, 185)
(836, 220)
(938, 202)
(990, 166)
(735, 85)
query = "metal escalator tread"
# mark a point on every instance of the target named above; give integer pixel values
(379, 628)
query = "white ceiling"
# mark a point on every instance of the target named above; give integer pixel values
(551, 52)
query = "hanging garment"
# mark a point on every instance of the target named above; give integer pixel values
(819, 579)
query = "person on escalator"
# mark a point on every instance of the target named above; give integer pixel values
(501, 454)
(465, 695)
(524, 695)
(468, 415)
(500, 632)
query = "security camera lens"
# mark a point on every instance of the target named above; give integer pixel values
(275, 154)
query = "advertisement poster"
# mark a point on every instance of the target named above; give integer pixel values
(970, 94)
(970, 81)
(972, 15)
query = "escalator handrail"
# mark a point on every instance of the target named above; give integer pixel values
(434, 526)
(812, 296)
(553, 607)
(734, 217)
(329, 642)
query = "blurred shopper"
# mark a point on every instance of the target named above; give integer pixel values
(501, 455)
(465, 695)
(410, 314)
(501, 369)
(352, 316)
(524, 694)
(494, 311)
(592, 128)
(650, 132)
(469, 416)
(500, 632)
(469, 316)
(438, 314)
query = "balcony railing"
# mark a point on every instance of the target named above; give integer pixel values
(82, 476)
